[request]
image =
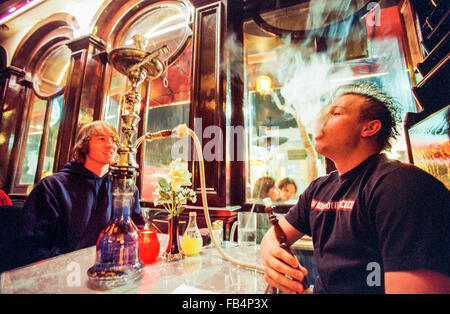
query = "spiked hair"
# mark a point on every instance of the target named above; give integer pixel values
(378, 105)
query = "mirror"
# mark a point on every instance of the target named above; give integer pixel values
(167, 24)
(51, 72)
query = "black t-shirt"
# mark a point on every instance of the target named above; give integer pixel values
(380, 216)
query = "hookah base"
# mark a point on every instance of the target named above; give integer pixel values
(107, 276)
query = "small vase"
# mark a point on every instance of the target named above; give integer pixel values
(173, 251)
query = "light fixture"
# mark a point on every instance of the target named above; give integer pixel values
(157, 30)
(166, 30)
(263, 84)
(19, 9)
(359, 77)
(63, 72)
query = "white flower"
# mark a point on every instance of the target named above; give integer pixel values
(172, 196)
(179, 175)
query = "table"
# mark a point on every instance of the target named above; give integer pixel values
(205, 273)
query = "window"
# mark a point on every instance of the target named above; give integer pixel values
(49, 78)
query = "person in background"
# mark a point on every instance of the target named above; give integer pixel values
(287, 188)
(68, 210)
(265, 187)
(4, 198)
(377, 225)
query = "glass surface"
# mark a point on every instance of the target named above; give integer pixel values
(192, 242)
(51, 73)
(288, 81)
(33, 144)
(430, 145)
(168, 108)
(164, 24)
(148, 245)
(117, 260)
(111, 109)
(313, 14)
(159, 153)
(52, 137)
(168, 96)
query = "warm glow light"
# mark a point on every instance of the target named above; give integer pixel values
(360, 77)
(63, 72)
(263, 84)
(148, 245)
(152, 34)
(2, 139)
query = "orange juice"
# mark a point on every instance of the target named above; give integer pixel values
(192, 242)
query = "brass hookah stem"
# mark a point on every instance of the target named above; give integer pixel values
(282, 239)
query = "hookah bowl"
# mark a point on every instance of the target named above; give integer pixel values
(117, 256)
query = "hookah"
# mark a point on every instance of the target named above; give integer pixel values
(117, 259)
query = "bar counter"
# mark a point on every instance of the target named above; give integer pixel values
(205, 273)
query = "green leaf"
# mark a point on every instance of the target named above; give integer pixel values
(164, 195)
(164, 184)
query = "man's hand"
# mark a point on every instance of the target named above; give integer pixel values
(279, 264)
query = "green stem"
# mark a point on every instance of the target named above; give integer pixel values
(167, 208)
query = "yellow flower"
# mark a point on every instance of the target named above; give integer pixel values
(179, 175)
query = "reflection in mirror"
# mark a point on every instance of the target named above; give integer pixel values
(52, 136)
(168, 107)
(313, 14)
(51, 73)
(265, 188)
(33, 144)
(289, 79)
(287, 188)
(430, 144)
(166, 99)
(167, 24)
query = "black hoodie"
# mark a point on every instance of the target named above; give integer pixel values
(66, 212)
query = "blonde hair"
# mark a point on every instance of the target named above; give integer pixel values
(94, 128)
(378, 105)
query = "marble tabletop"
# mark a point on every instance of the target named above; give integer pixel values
(205, 273)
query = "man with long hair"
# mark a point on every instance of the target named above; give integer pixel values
(68, 210)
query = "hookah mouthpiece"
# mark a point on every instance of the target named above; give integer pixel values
(180, 131)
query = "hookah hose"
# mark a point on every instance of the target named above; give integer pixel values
(182, 131)
(206, 212)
